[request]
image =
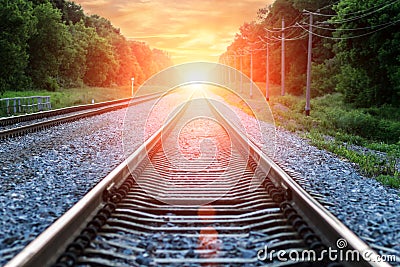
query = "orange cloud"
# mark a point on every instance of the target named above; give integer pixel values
(190, 30)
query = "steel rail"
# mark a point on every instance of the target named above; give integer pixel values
(55, 112)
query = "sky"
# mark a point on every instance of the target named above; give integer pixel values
(189, 30)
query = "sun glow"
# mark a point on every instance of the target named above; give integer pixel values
(188, 30)
(196, 87)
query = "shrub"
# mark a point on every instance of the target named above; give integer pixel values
(323, 78)
(355, 85)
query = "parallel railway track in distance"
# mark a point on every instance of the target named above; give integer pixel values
(20, 125)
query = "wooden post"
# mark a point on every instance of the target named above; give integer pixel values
(241, 72)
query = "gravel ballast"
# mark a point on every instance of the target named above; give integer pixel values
(43, 174)
(364, 205)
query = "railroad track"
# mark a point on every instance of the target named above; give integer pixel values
(194, 202)
(20, 125)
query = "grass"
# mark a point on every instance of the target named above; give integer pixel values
(381, 167)
(336, 127)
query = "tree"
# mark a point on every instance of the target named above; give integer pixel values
(48, 47)
(144, 57)
(371, 53)
(17, 24)
(51, 43)
(73, 68)
(99, 60)
(71, 12)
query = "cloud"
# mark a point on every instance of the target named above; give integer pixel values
(188, 29)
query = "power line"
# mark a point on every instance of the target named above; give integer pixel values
(293, 36)
(374, 10)
(349, 37)
(292, 25)
(350, 29)
(377, 8)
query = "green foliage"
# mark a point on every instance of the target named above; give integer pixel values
(99, 60)
(358, 122)
(372, 165)
(371, 63)
(72, 96)
(355, 75)
(73, 68)
(392, 181)
(49, 44)
(271, 17)
(356, 86)
(296, 80)
(346, 127)
(355, 48)
(71, 12)
(332, 116)
(48, 47)
(17, 24)
(324, 78)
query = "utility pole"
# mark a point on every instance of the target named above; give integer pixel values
(235, 69)
(241, 71)
(308, 96)
(229, 71)
(267, 70)
(133, 82)
(225, 72)
(222, 71)
(251, 73)
(283, 58)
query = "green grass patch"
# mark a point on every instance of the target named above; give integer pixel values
(392, 181)
(372, 165)
(374, 128)
(331, 116)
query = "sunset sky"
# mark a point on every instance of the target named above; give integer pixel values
(190, 30)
